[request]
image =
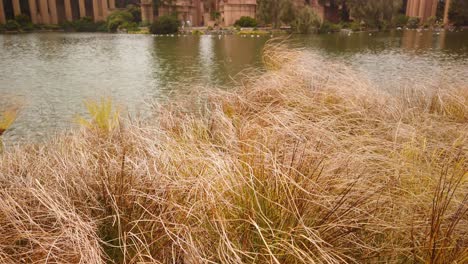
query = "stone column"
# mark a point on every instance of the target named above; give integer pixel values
(415, 9)
(408, 7)
(147, 11)
(53, 12)
(44, 10)
(105, 9)
(446, 12)
(16, 7)
(33, 11)
(82, 8)
(412, 12)
(68, 10)
(2, 13)
(434, 7)
(422, 10)
(111, 4)
(97, 17)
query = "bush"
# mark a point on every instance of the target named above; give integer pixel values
(246, 21)
(329, 27)
(51, 27)
(86, 24)
(136, 13)
(215, 15)
(129, 26)
(413, 22)
(197, 32)
(355, 26)
(12, 25)
(22, 20)
(306, 20)
(400, 20)
(430, 22)
(165, 25)
(117, 19)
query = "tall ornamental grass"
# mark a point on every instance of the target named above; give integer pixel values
(305, 163)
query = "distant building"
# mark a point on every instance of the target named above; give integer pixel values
(232, 10)
(424, 9)
(202, 13)
(191, 12)
(326, 11)
(225, 12)
(55, 11)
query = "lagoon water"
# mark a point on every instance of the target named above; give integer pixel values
(51, 74)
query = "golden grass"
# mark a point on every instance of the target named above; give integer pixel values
(103, 116)
(7, 118)
(306, 163)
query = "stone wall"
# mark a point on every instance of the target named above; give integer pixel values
(232, 10)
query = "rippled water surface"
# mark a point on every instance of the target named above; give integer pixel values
(51, 74)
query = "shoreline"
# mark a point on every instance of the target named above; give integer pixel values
(233, 31)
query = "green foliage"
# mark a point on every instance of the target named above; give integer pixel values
(215, 15)
(197, 32)
(6, 119)
(51, 27)
(288, 12)
(136, 13)
(85, 24)
(374, 12)
(129, 26)
(117, 19)
(12, 25)
(268, 11)
(306, 20)
(413, 22)
(355, 26)
(327, 27)
(430, 22)
(165, 25)
(23, 20)
(104, 117)
(246, 21)
(400, 20)
(276, 11)
(101, 26)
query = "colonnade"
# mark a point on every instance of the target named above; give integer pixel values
(426, 8)
(56, 11)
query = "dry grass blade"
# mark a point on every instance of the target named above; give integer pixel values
(305, 163)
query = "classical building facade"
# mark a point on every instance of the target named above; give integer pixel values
(326, 11)
(200, 12)
(55, 11)
(196, 12)
(232, 10)
(421, 8)
(424, 9)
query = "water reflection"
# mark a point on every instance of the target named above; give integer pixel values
(51, 74)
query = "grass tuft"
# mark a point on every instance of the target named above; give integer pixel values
(305, 163)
